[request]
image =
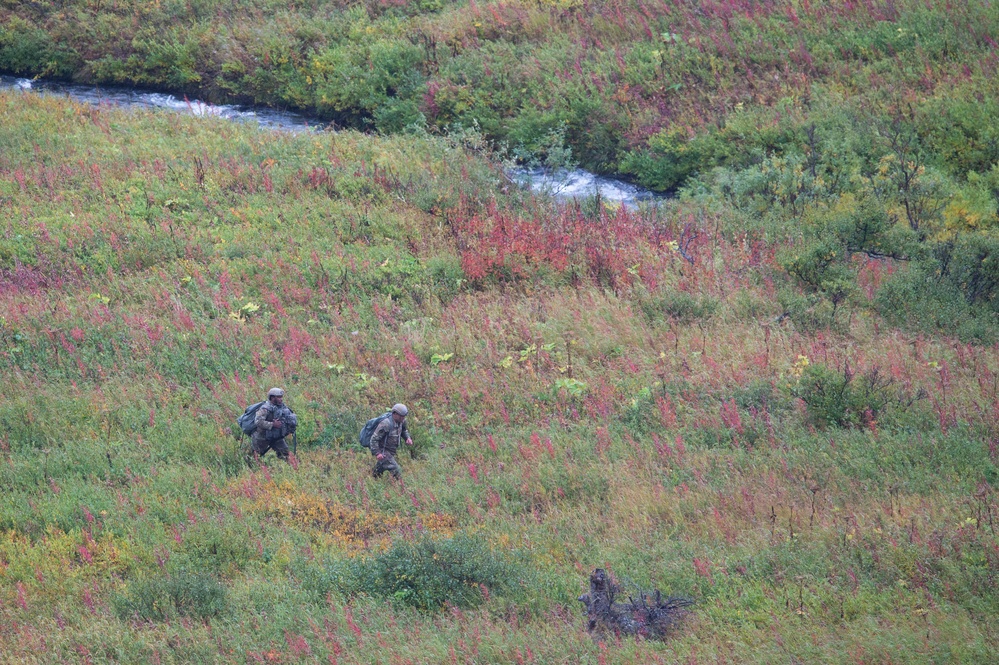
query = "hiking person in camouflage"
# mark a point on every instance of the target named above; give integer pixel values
(274, 421)
(385, 442)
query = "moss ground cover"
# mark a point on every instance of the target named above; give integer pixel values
(669, 393)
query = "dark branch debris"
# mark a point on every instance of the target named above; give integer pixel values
(650, 616)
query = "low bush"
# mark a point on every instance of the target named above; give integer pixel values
(918, 298)
(679, 307)
(670, 160)
(758, 394)
(971, 263)
(843, 398)
(819, 268)
(220, 547)
(427, 574)
(25, 49)
(182, 594)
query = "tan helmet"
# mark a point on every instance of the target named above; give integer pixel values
(400, 409)
(275, 392)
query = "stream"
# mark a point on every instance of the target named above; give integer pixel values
(562, 184)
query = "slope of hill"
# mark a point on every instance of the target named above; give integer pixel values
(654, 90)
(673, 394)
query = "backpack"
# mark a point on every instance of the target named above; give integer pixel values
(369, 429)
(245, 421)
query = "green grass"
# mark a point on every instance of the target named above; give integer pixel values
(681, 454)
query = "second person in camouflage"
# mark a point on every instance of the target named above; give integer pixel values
(385, 441)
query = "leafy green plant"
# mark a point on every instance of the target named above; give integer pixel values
(429, 573)
(679, 307)
(821, 269)
(439, 358)
(954, 289)
(185, 594)
(572, 387)
(972, 265)
(219, 548)
(870, 230)
(843, 398)
(27, 50)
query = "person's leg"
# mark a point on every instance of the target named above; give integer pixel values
(389, 464)
(281, 449)
(259, 448)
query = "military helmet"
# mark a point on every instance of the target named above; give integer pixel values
(400, 409)
(275, 392)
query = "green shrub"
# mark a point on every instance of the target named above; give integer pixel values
(962, 133)
(679, 307)
(972, 265)
(397, 115)
(222, 548)
(843, 398)
(376, 80)
(814, 265)
(426, 574)
(339, 429)
(446, 276)
(641, 415)
(953, 292)
(182, 594)
(25, 50)
(819, 268)
(166, 59)
(670, 160)
(757, 394)
(870, 230)
(826, 393)
(540, 142)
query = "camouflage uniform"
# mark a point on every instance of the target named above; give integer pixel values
(265, 436)
(385, 441)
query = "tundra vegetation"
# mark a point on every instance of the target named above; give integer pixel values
(654, 89)
(776, 393)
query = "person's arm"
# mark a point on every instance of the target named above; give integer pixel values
(404, 434)
(260, 419)
(378, 438)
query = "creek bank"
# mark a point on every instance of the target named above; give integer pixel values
(562, 184)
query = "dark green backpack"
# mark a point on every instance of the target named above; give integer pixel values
(369, 429)
(246, 422)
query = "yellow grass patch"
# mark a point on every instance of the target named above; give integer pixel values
(344, 525)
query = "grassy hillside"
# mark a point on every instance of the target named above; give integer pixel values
(662, 392)
(654, 90)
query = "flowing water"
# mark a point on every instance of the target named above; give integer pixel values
(562, 184)
(578, 184)
(135, 98)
